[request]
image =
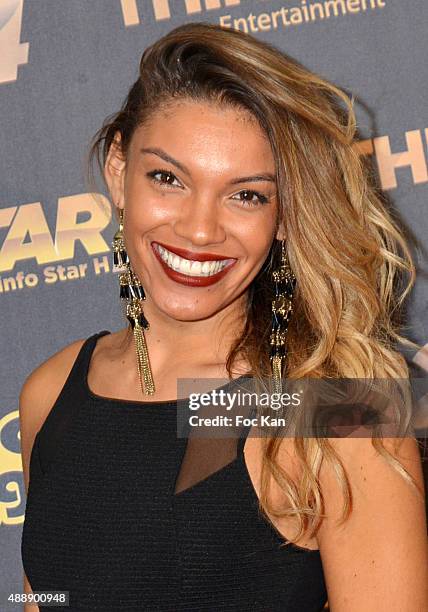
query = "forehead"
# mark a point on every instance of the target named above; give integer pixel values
(215, 135)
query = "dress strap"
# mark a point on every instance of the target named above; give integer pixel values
(70, 400)
(75, 382)
(84, 358)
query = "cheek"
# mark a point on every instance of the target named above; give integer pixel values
(257, 236)
(146, 210)
(142, 202)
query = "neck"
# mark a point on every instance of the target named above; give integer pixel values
(204, 342)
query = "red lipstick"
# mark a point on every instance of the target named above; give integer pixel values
(192, 255)
(192, 281)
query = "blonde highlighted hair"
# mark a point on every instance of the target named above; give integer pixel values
(351, 260)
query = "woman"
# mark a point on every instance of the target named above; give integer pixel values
(227, 151)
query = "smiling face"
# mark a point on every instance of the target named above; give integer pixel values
(199, 195)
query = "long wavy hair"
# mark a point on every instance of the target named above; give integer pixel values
(350, 258)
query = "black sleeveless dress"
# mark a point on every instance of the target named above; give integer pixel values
(126, 515)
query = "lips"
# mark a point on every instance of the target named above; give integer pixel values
(192, 281)
(191, 255)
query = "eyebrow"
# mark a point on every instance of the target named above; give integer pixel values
(264, 176)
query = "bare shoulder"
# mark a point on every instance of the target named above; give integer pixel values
(368, 470)
(39, 393)
(378, 557)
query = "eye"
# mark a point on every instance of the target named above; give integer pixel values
(261, 199)
(165, 173)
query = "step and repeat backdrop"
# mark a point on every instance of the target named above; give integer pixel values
(67, 64)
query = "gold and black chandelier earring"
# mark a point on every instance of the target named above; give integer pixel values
(132, 294)
(284, 285)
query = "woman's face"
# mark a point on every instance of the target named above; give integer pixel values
(199, 193)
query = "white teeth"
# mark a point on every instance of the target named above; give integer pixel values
(196, 268)
(191, 267)
(186, 266)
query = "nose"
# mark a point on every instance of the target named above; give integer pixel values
(200, 221)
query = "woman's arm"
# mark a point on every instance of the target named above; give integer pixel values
(30, 419)
(28, 589)
(38, 395)
(377, 561)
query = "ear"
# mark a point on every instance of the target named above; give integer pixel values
(114, 172)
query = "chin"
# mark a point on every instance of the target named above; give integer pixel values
(193, 310)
